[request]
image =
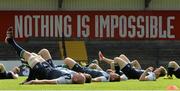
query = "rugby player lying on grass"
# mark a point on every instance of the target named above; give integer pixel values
(45, 54)
(135, 64)
(98, 75)
(123, 77)
(43, 71)
(114, 66)
(173, 69)
(133, 69)
(13, 74)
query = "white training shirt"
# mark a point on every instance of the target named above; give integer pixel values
(124, 77)
(151, 76)
(105, 77)
(66, 79)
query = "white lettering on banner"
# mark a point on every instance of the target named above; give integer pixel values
(123, 26)
(132, 32)
(114, 24)
(105, 26)
(19, 26)
(153, 27)
(67, 26)
(170, 27)
(36, 18)
(134, 26)
(162, 34)
(58, 26)
(42, 26)
(83, 29)
(140, 33)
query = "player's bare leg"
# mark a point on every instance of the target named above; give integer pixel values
(45, 54)
(69, 62)
(94, 66)
(174, 65)
(107, 60)
(136, 64)
(120, 62)
(20, 51)
(123, 57)
(2, 68)
(102, 58)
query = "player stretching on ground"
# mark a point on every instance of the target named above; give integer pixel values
(135, 72)
(43, 71)
(97, 74)
(45, 54)
(123, 77)
(173, 69)
(13, 74)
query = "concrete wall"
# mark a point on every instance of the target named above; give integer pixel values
(89, 5)
(164, 5)
(103, 4)
(28, 4)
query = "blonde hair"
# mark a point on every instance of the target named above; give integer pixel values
(16, 70)
(163, 71)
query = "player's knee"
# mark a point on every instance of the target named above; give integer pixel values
(43, 51)
(117, 59)
(122, 55)
(172, 62)
(92, 65)
(1, 65)
(68, 61)
(135, 61)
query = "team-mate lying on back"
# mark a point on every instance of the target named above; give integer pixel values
(97, 74)
(13, 74)
(135, 72)
(42, 70)
(173, 69)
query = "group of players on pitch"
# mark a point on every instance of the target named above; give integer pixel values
(43, 71)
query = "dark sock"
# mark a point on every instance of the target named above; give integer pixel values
(170, 71)
(18, 49)
(24, 62)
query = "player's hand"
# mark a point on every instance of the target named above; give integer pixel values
(151, 68)
(148, 70)
(29, 82)
(23, 82)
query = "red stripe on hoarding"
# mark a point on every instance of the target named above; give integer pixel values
(105, 25)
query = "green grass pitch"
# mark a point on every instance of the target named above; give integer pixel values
(160, 84)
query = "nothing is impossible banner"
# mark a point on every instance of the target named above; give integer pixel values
(111, 25)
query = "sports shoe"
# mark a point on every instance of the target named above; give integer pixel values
(101, 56)
(9, 34)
